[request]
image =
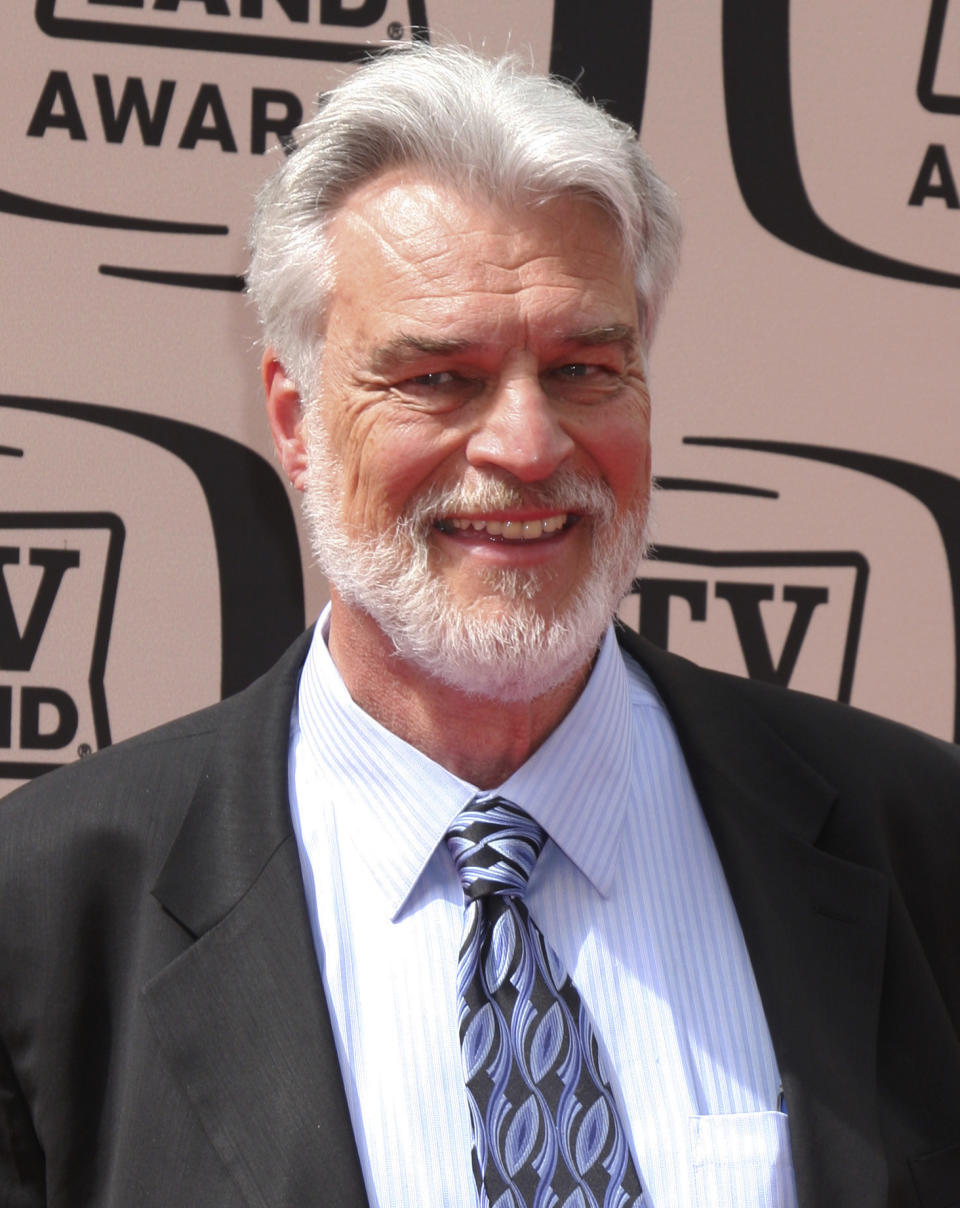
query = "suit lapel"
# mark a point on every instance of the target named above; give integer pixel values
(240, 1015)
(814, 924)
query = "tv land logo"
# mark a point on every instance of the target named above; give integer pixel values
(744, 595)
(58, 586)
(787, 618)
(758, 68)
(345, 30)
(60, 571)
(331, 30)
(154, 110)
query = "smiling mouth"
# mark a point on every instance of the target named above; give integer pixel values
(508, 530)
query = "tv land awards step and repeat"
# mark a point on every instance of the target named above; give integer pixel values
(807, 415)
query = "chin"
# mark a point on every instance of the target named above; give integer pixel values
(513, 653)
(514, 684)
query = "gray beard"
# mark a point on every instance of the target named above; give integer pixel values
(513, 654)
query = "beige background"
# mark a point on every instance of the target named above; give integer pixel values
(761, 340)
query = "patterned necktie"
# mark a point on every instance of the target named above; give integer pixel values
(545, 1125)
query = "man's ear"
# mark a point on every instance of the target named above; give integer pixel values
(285, 413)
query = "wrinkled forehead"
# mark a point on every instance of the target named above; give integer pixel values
(409, 240)
(411, 209)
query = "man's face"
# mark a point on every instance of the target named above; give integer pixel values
(481, 388)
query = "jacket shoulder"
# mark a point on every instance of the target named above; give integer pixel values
(143, 785)
(821, 730)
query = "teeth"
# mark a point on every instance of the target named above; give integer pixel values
(510, 530)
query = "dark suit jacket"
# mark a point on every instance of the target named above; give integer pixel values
(165, 1039)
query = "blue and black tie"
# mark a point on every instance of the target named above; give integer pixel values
(546, 1129)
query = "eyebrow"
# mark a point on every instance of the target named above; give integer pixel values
(614, 333)
(407, 347)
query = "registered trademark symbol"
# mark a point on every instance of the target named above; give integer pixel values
(84, 750)
(395, 31)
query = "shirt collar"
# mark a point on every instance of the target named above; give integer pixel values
(398, 803)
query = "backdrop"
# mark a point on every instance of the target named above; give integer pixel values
(804, 379)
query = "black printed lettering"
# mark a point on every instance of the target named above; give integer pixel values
(133, 99)
(262, 122)
(655, 596)
(18, 650)
(745, 600)
(209, 101)
(36, 705)
(368, 12)
(46, 116)
(296, 10)
(935, 179)
(216, 8)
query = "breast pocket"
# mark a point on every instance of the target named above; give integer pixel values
(742, 1161)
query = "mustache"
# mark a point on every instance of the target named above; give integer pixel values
(564, 491)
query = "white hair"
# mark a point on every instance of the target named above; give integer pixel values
(490, 128)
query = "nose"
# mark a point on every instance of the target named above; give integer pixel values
(520, 432)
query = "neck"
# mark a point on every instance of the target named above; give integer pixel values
(480, 740)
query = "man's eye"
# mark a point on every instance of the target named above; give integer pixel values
(437, 390)
(582, 369)
(440, 378)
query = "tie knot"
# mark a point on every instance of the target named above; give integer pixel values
(494, 845)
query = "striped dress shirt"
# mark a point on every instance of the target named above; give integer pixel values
(630, 893)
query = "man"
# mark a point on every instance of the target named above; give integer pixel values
(230, 969)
